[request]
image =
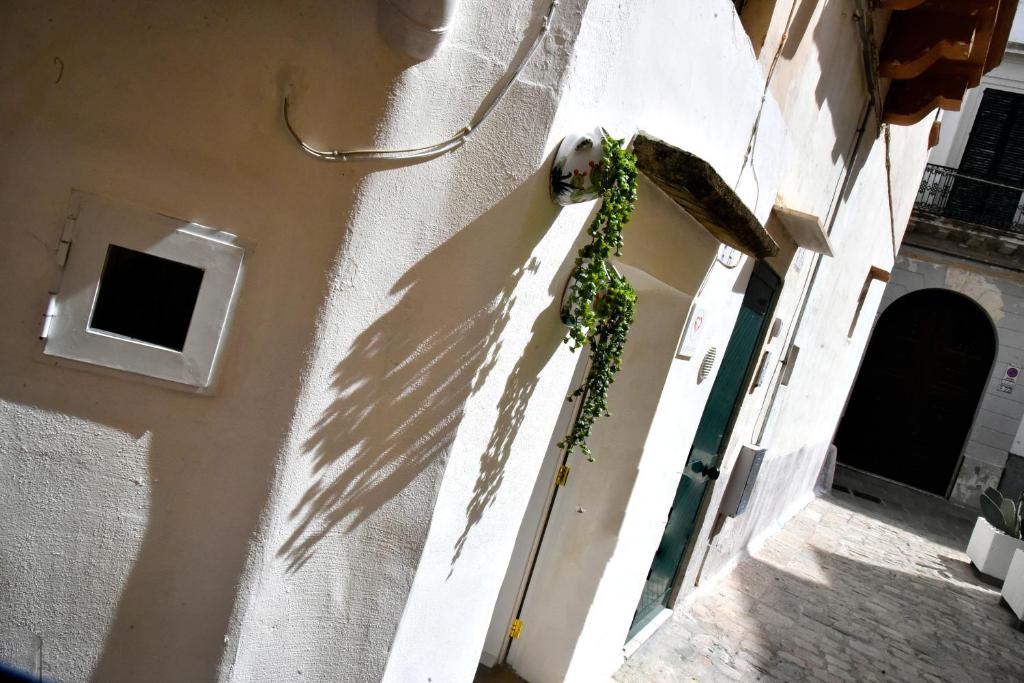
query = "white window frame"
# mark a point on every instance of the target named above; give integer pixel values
(98, 223)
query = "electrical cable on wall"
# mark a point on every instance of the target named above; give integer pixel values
(764, 97)
(426, 151)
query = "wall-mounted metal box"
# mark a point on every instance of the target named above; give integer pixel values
(742, 481)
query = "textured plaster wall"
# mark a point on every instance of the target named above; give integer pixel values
(128, 508)
(432, 392)
(607, 522)
(661, 81)
(819, 85)
(821, 94)
(344, 508)
(592, 565)
(802, 420)
(1001, 294)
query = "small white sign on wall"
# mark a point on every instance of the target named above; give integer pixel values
(693, 333)
(729, 257)
(1009, 381)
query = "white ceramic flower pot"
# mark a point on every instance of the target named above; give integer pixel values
(572, 170)
(991, 550)
(1013, 587)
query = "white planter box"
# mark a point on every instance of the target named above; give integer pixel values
(991, 550)
(1013, 587)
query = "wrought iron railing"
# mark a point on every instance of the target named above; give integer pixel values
(947, 192)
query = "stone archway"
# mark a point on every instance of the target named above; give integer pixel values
(918, 389)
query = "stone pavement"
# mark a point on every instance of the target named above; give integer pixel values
(849, 590)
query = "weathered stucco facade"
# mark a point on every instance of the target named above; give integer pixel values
(982, 261)
(364, 489)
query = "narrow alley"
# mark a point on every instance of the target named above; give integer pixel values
(870, 583)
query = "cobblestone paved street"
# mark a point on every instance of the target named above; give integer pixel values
(849, 590)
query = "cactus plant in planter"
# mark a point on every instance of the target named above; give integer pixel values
(997, 534)
(1002, 512)
(1006, 515)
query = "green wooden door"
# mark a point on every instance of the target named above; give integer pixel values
(704, 458)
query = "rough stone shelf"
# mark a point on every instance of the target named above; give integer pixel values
(694, 185)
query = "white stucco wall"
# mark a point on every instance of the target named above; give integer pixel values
(379, 301)
(128, 508)
(803, 419)
(345, 506)
(662, 83)
(437, 373)
(1017, 30)
(797, 427)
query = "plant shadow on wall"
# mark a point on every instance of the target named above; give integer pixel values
(516, 396)
(598, 312)
(402, 386)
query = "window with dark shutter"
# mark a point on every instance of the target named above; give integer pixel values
(995, 152)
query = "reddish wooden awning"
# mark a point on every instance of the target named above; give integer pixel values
(934, 50)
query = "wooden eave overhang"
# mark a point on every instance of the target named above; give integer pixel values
(695, 186)
(935, 50)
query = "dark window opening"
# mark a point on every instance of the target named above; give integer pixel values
(994, 153)
(146, 297)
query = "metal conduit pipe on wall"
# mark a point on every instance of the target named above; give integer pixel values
(415, 27)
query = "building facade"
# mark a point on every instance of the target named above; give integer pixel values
(959, 430)
(347, 469)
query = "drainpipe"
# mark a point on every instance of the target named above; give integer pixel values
(415, 27)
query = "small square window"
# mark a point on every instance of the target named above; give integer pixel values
(146, 297)
(144, 293)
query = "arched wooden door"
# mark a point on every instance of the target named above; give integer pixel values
(915, 397)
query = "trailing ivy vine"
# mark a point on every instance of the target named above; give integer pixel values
(601, 302)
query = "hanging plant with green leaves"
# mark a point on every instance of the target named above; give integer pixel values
(601, 303)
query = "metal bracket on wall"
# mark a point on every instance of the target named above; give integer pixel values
(48, 316)
(516, 629)
(64, 245)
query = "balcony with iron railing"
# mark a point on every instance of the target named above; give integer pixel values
(948, 193)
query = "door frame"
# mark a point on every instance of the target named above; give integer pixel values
(557, 457)
(705, 503)
(955, 476)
